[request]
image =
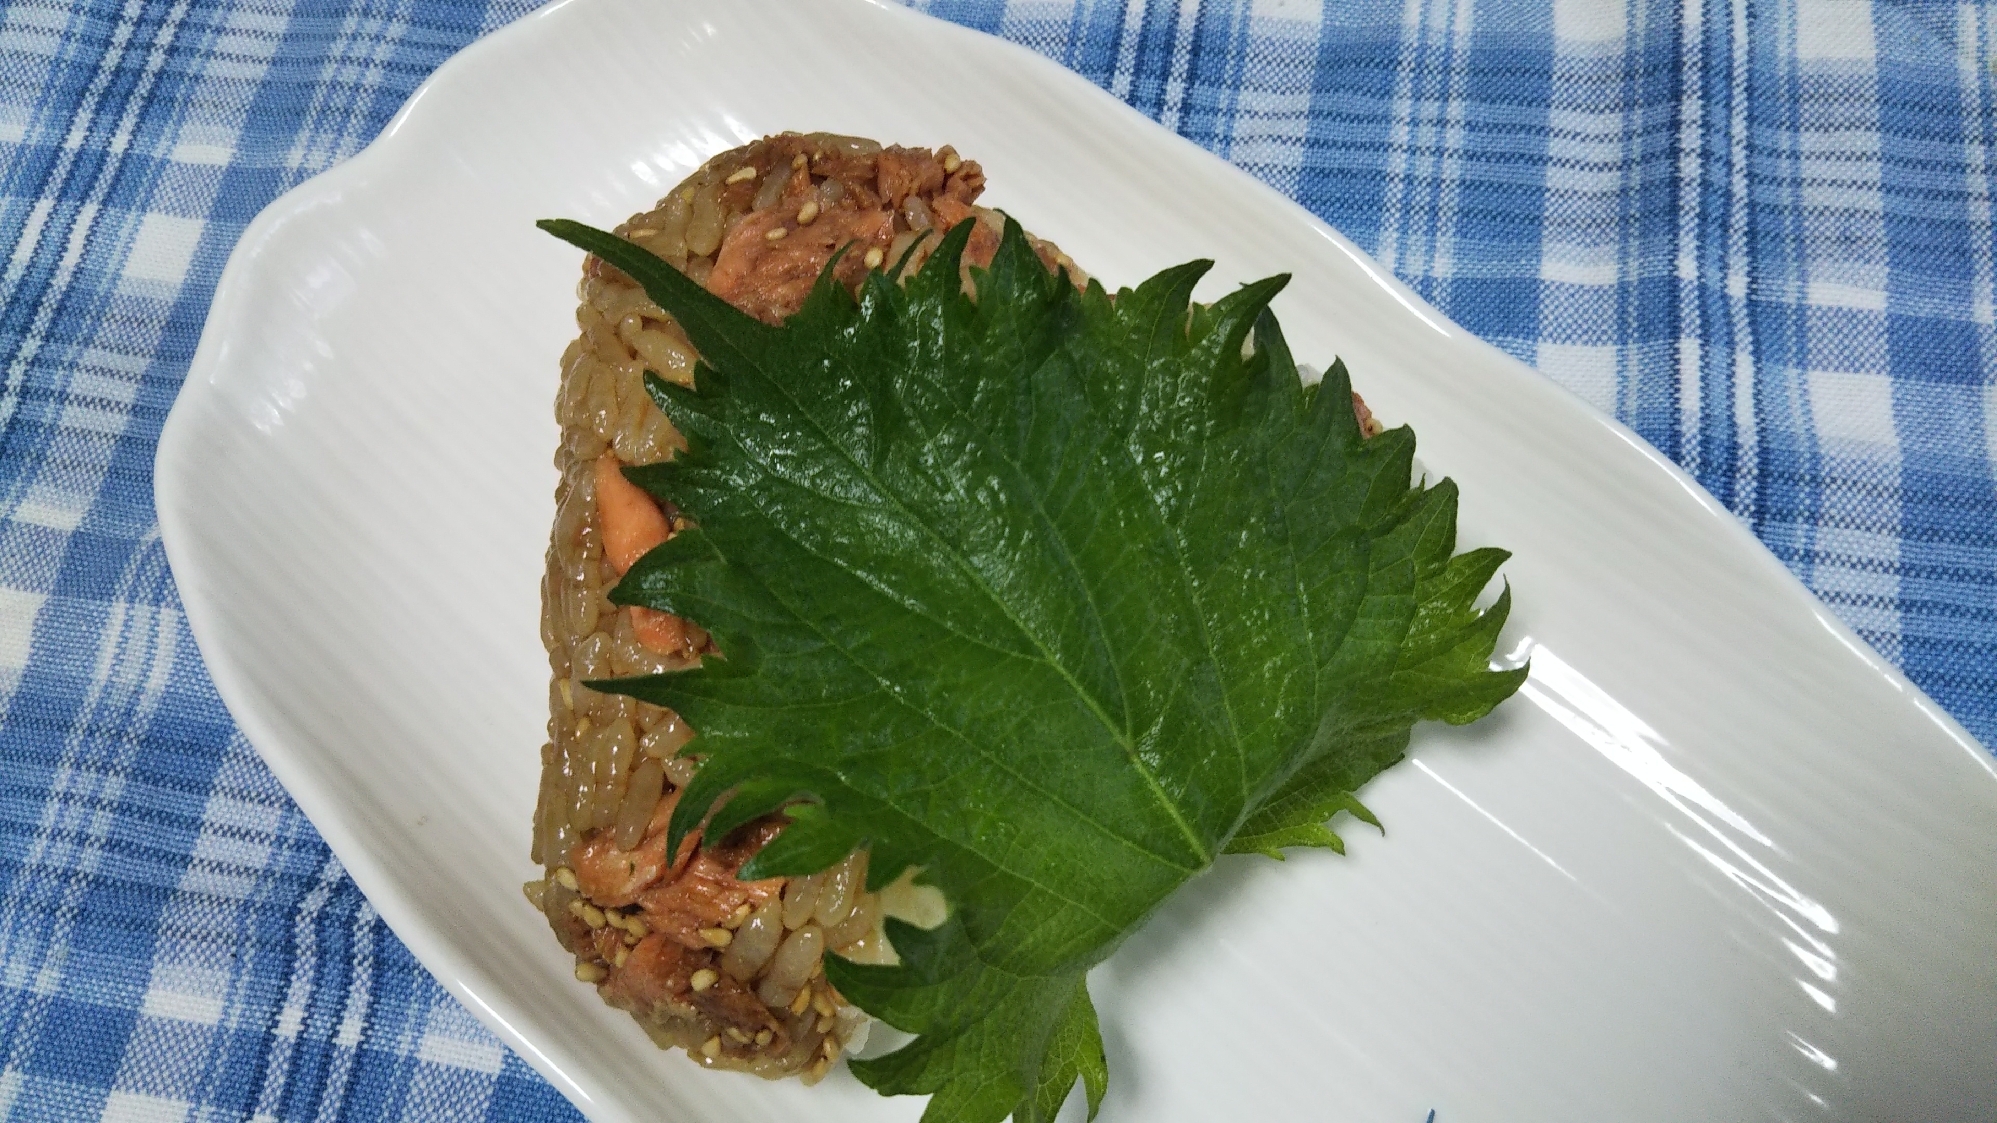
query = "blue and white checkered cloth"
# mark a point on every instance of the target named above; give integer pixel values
(1760, 233)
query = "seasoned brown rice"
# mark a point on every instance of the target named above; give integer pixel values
(727, 970)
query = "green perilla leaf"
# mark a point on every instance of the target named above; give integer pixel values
(1052, 594)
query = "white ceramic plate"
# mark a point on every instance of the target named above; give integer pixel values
(1718, 861)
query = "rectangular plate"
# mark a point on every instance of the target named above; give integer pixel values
(1718, 860)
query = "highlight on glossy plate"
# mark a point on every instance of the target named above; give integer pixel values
(1028, 600)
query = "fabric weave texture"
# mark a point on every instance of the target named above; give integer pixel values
(1760, 233)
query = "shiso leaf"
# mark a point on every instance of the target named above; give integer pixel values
(1074, 1052)
(1297, 814)
(1052, 594)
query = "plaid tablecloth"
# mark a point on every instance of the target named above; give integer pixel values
(1758, 232)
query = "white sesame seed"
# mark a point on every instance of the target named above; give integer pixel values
(741, 175)
(807, 212)
(704, 978)
(777, 235)
(590, 972)
(873, 259)
(712, 1048)
(717, 937)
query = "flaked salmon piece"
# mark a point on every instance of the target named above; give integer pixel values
(769, 278)
(901, 172)
(657, 970)
(1360, 413)
(632, 521)
(613, 878)
(633, 524)
(771, 256)
(698, 891)
(984, 242)
(708, 894)
(731, 1004)
(606, 942)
